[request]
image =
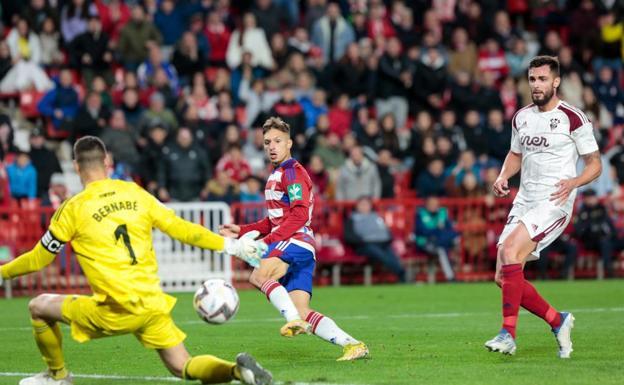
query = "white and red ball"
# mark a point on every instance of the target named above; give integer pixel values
(216, 301)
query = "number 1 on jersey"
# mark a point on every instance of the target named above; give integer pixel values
(122, 230)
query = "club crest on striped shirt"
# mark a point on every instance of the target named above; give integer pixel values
(294, 192)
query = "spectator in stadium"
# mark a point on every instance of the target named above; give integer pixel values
(351, 74)
(322, 186)
(184, 169)
(251, 191)
(5, 190)
(57, 193)
(430, 81)
(147, 70)
(299, 41)
(333, 34)
(25, 49)
(36, 12)
(610, 53)
(594, 227)
(340, 116)
(61, 103)
(90, 53)
(44, 160)
(221, 188)
(394, 82)
(92, 117)
(249, 38)
(492, 59)
(218, 35)
(466, 163)
(462, 93)
(498, 134)
(7, 136)
(49, 37)
(253, 151)
(121, 142)
(5, 60)
(22, 177)
(158, 113)
(271, 16)
(616, 159)
(431, 181)
(370, 237)
(371, 138)
(448, 128)
(509, 98)
(475, 133)
(584, 31)
(390, 136)
(386, 167)
(463, 53)
(114, 15)
(315, 9)
(151, 156)
(358, 177)
(291, 111)
(74, 16)
(172, 18)
(245, 72)
(609, 93)
(435, 235)
(131, 106)
(135, 38)
(313, 108)
(234, 164)
(519, 56)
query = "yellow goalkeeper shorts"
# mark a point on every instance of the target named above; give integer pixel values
(90, 320)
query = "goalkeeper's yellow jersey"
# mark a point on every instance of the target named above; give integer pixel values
(110, 226)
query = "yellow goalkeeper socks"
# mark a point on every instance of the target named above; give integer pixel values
(49, 340)
(210, 370)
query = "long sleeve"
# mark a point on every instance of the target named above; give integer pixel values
(45, 105)
(263, 226)
(34, 260)
(184, 231)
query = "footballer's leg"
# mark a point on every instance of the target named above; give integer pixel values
(212, 370)
(46, 313)
(325, 328)
(515, 248)
(266, 279)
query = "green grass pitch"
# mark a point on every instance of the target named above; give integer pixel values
(417, 335)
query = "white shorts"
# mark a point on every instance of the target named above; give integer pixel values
(545, 222)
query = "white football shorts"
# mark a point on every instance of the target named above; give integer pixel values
(544, 220)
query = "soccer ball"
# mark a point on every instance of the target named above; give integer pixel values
(216, 301)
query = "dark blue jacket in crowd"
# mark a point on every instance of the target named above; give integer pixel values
(65, 99)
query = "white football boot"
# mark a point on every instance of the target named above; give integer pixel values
(562, 334)
(503, 343)
(251, 372)
(46, 378)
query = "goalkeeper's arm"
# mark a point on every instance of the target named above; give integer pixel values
(34, 260)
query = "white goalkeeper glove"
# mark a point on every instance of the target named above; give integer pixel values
(246, 248)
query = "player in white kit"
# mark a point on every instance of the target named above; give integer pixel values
(547, 139)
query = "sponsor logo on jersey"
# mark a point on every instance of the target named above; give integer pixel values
(295, 192)
(534, 141)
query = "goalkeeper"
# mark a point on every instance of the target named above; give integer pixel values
(110, 226)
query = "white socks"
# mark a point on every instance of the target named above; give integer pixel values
(278, 296)
(326, 328)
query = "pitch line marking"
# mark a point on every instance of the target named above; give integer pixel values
(356, 317)
(148, 378)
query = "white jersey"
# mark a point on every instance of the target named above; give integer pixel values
(550, 143)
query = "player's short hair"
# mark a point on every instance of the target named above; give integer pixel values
(89, 151)
(277, 123)
(545, 60)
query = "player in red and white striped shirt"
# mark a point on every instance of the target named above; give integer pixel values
(287, 267)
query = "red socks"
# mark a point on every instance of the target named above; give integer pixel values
(513, 282)
(533, 302)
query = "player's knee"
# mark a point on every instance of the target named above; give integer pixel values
(37, 305)
(510, 253)
(259, 277)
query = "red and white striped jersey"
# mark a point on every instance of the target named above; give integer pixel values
(290, 202)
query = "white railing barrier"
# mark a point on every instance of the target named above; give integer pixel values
(183, 267)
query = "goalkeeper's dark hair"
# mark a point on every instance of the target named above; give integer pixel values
(545, 60)
(276, 123)
(89, 151)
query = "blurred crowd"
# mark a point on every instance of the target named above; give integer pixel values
(383, 97)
